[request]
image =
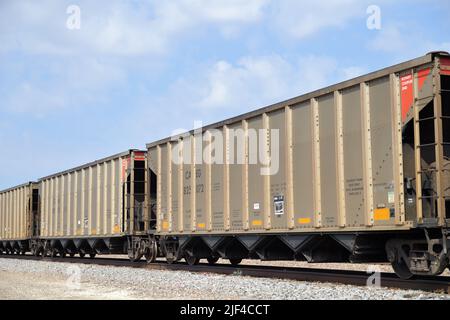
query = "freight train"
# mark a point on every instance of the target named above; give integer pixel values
(355, 172)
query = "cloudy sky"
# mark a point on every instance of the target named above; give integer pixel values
(137, 70)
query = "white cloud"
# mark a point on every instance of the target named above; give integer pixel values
(214, 91)
(352, 72)
(28, 98)
(153, 27)
(389, 39)
(300, 19)
(253, 81)
(226, 10)
(118, 28)
(227, 85)
(399, 40)
(33, 154)
(76, 84)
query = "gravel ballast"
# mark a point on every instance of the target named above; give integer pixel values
(26, 279)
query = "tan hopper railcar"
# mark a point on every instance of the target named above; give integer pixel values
(363, 175)
(98, 208)
(18, 218)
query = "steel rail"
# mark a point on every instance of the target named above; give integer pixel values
(356, 278)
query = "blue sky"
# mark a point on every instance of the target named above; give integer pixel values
(137, 70)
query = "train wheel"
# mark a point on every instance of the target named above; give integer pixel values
(398, 254)
(151, 252)
(63, 254)
(39, 251)
(212, 260)
(46, 250)
(81, 254)
(171, 257)
(191, 260)
(235, 262)
(135, 249)
(402, 270)
(134, 256)
(53, 253)
(170, 249)
(92, 255)
(170, 260)
(72, 254)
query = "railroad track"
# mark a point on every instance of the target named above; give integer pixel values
(356, 278)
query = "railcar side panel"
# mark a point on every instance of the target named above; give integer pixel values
(278, 183)
(218, 182)
(303, 176)
(16, 212)
(256, 204)
(328, 161)
(353, 156)
(87, 201)
(381, 123)
(347, 160)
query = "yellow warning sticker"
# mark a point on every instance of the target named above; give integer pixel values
(382, 214)
(257, 223)
(201, 225)
(304, 220)
(116, 229)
